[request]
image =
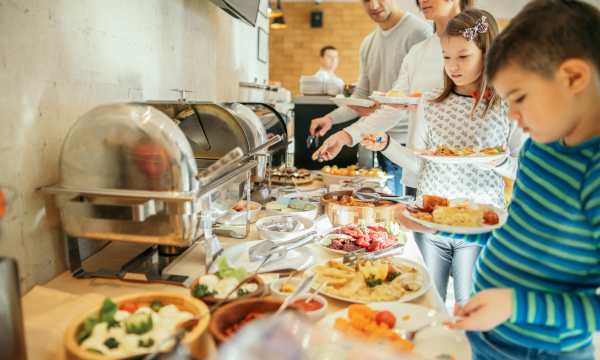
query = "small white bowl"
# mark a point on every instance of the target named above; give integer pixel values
(266, 234)
(275, 286)
(316, 314)
(233, 217)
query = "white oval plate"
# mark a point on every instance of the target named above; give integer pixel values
(297, 259)
(352, 102)
(406, 298)
(329, 179)
(469, 159)
(466, 230)
(430, 342)
(396, 100)
(399, 237)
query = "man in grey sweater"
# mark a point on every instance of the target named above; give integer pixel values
(381, 55)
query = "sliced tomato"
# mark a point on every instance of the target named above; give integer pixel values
(386, 318)
(490, 218)
(130, 307)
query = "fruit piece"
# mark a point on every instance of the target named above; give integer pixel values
(490, 218)
(130, 307)
(138, 323)
(386, 318)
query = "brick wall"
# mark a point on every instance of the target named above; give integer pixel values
(295, 51)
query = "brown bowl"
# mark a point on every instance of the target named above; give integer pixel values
(195, 339)
(234, 312)
(339, 214)
(260, 291)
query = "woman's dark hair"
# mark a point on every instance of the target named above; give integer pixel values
(472, 20)
(464, 4)
(325, 48)
(546, 33)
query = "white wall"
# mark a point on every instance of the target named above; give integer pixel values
(60, 58)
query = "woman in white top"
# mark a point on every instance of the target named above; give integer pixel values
(420, 71)
(465, 113)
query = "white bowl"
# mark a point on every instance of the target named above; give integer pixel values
(275, 286)
(316, 314)
(266, 234)
(277, 208)
(233, 217)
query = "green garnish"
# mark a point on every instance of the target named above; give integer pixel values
(138, 323)
(107, 311)
(156, 305)
(95, 351)
(226, 271)
(86, 329)
(111, 343)
(392, 275)
(146, 344)
(372, 281)
(201, 290)
(242, 292)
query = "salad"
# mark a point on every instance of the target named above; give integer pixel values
(223, 282)
(131, 328)
(352, 237)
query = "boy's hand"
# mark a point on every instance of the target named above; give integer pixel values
(332, 146)
(375, 142)
(485, 311)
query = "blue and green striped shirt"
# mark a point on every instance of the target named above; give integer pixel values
(549, 249)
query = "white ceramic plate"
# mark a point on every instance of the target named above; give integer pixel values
(396, 100)
(502, 216)
(407, 297)
(469, 159)
(352, 102)
(298, 259)
(400, 237)
(429, 343)
(329, 179)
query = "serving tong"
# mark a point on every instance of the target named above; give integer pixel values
(355, 257)
(278, 250)
(368, 194)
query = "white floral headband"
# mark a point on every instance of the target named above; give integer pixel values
(481, 27)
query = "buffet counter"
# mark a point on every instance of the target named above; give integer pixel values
(49, 309)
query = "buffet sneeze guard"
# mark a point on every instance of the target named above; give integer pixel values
(130, 196)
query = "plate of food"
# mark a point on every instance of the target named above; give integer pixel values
(396, 97)
(286, 205)
(384, 322)
(349, 101)
(344, 208)
(237, 214)
(336, 175)
(387, 279)
(457, 216)
(290, 176)
(466, 155)
(350, 238)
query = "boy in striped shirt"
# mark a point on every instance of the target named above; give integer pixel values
(536, 277)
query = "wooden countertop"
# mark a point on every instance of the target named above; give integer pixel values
(48, 309)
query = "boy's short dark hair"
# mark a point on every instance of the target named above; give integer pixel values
(325, 48)
(464, 4)
(546, 33)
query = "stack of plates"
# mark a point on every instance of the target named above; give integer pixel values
(312, 85)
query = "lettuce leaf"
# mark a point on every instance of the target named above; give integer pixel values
(226, 271)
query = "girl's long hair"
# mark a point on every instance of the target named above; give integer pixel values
(469, 19)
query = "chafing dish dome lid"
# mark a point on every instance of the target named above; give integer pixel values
(127, 146)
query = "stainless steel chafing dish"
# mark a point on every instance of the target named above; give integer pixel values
(130, 173)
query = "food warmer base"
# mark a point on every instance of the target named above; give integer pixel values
(126, 261)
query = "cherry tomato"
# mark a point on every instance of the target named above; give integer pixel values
(385, 317)
(490, 218)
(130, 307)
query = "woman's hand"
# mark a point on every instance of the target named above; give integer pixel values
(376, 141)
(485, 311)
(332, 146)
(403, 107)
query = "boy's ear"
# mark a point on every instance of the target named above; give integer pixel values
(575, 74)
